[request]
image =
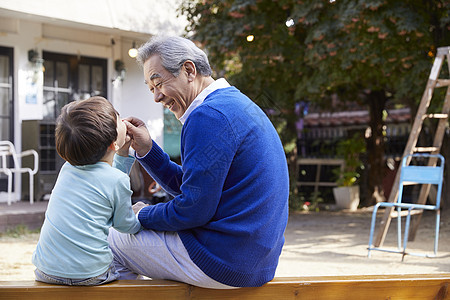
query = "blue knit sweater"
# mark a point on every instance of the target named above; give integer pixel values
(231, 193)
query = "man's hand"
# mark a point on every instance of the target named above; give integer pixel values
(138, 206)
(141, 140)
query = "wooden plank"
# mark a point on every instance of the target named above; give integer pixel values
(443, 82)
(339, 288)
(404, 213)
(443, 51)
(122, 289)
(319, 162)
(413, 286)
(425, 149)
(321, 183)
(436, 116)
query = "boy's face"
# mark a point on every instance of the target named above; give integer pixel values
(121, 132)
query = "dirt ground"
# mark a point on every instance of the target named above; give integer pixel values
(323, 243)
(335, 243)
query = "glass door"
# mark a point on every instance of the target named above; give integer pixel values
(6, 94)
(6, 102)
(66, 78)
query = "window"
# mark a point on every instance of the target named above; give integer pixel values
(68, 78)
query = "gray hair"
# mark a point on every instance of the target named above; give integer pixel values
(174, 51)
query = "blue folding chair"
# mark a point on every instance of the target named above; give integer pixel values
(413, 174)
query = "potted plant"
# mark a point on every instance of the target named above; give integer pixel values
(346, 194)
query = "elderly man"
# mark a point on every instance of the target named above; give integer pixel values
(224, 227)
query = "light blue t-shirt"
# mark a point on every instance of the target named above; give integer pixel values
(85, 202)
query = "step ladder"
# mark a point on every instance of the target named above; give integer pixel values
(411, 146)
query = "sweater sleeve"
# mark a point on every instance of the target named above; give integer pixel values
(208, 146)
(167, 173)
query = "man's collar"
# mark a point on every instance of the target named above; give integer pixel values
(217, 84)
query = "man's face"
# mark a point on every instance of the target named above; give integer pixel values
(174, 93)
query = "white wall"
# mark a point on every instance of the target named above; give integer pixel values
(131, 97)
(20, 36)
(136, 99)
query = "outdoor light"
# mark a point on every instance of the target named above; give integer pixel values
(250, 38)
(119, 66)
(37, 62)
(133, 51)
(290, 23)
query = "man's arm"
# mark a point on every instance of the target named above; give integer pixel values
(168, 174)
(208, 154)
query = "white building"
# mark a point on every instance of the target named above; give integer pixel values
(53, 51)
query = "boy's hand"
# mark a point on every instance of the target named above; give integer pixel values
(124, 151)
(138, 206)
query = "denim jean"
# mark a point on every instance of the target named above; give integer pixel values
(110, 275)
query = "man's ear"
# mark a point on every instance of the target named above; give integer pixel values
(191, 71)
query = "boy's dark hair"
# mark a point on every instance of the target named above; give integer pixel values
(85, 129)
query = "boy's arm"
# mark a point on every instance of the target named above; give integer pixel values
(123, 163)
(122, 160)
(124, 219)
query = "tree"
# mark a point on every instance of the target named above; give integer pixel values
(373, 52)
(265, 69)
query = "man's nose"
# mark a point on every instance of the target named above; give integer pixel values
(158, 96)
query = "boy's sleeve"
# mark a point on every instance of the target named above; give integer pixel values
(124, 219)
(123, 163)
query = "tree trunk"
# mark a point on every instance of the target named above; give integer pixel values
(292, 156)
(375, 144)
(445, 151)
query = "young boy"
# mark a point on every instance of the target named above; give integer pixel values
(92, 193)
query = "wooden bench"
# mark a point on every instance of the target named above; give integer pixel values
(429, 286)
